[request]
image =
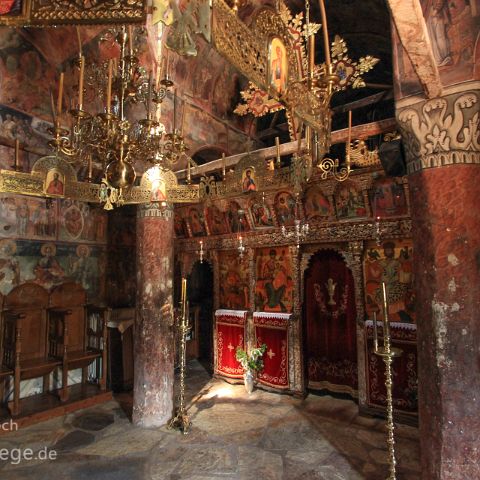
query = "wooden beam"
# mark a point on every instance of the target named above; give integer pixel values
(412, 30)
(339, 136)
(364, 102)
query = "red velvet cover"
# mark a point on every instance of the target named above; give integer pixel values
(230, 328)
(272, 329)
(404, 368)
(330, 318)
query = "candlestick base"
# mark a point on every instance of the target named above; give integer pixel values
(180, 422)
(17, 168)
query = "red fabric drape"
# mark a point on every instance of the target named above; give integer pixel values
(404, 368)
(330, 319)
(273, 331)
(230, 328)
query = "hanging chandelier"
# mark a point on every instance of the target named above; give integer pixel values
(108, 137)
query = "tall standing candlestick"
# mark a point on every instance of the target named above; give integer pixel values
(80, 82)
(109, 86)
(326, 42)
(60, 95)
(183, 297)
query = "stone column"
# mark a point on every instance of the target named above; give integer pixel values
(154, 340)
(442, 143)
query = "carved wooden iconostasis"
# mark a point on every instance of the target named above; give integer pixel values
(359, 236)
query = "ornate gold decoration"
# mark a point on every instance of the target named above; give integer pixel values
(387, 353)
(361, 156)
(62, 12)
(180, 421)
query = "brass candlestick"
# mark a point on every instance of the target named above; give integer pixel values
(387, 353)
(181, 421)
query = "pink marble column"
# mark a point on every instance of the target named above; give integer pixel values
(154, 339)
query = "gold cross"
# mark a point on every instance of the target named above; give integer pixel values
(230, 347)
(271, 354)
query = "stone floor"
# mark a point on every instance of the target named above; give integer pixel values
(263, 436)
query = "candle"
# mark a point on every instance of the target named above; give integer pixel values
(183, 297)
(174, 110)
(79, 42)
(326, 43)
(109, 86)
(189, 171)
(311, 58)
(349, 140)
(130, 40)
(52, 107)
(149, 100)
(80, 83)
(90, 168)
(60, 94)
(277, 144)
(386, 326)
(224, 166)
(17, 154)
(375, 332)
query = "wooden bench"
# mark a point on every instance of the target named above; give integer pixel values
(26, 338)
(79, 334)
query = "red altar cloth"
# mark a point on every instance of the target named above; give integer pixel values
(230, 334)
(272, 329)
(404, 368)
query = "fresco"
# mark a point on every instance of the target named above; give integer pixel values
(27, 217)
(285, 208)
(196, 221)
(316, 205)
(80, 221)
(49, 264)
(233, 281)
(261, 213)
(454, 30)
(390, 263)
(274, 285)
(237, 222)
(349, 202)
(388, 199)
(216, 221)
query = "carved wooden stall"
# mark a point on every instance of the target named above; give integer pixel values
(45, 332)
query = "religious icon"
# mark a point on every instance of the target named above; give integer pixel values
(248, 180)
(261, 214)
(196, 221)
(48, 271)
(316, 204)
(285, 208)
(278, 65)
(159, 192)
(10, 7)
(55, 182)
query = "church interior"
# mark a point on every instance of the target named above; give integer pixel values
(239, 239)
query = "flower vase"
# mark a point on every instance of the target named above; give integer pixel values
(248, 379)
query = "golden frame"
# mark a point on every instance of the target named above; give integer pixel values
(17, 20)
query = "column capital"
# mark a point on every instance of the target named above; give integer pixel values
(441, 131)
(155, 209)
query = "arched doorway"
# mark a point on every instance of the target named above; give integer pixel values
(329, 312)
(200, 295)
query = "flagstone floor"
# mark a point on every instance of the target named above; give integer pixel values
(263, 436)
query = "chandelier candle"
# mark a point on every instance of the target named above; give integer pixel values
(60, 95)
(109, 86)
(277, 144)
(80, 82)
(224, 166)
(326, 43)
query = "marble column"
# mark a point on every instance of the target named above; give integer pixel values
(442, 142)
(154, 339)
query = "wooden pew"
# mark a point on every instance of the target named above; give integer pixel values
(5, 372)
(80, 333)
(26, 337)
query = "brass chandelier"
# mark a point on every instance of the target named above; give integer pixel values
(108, 137)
